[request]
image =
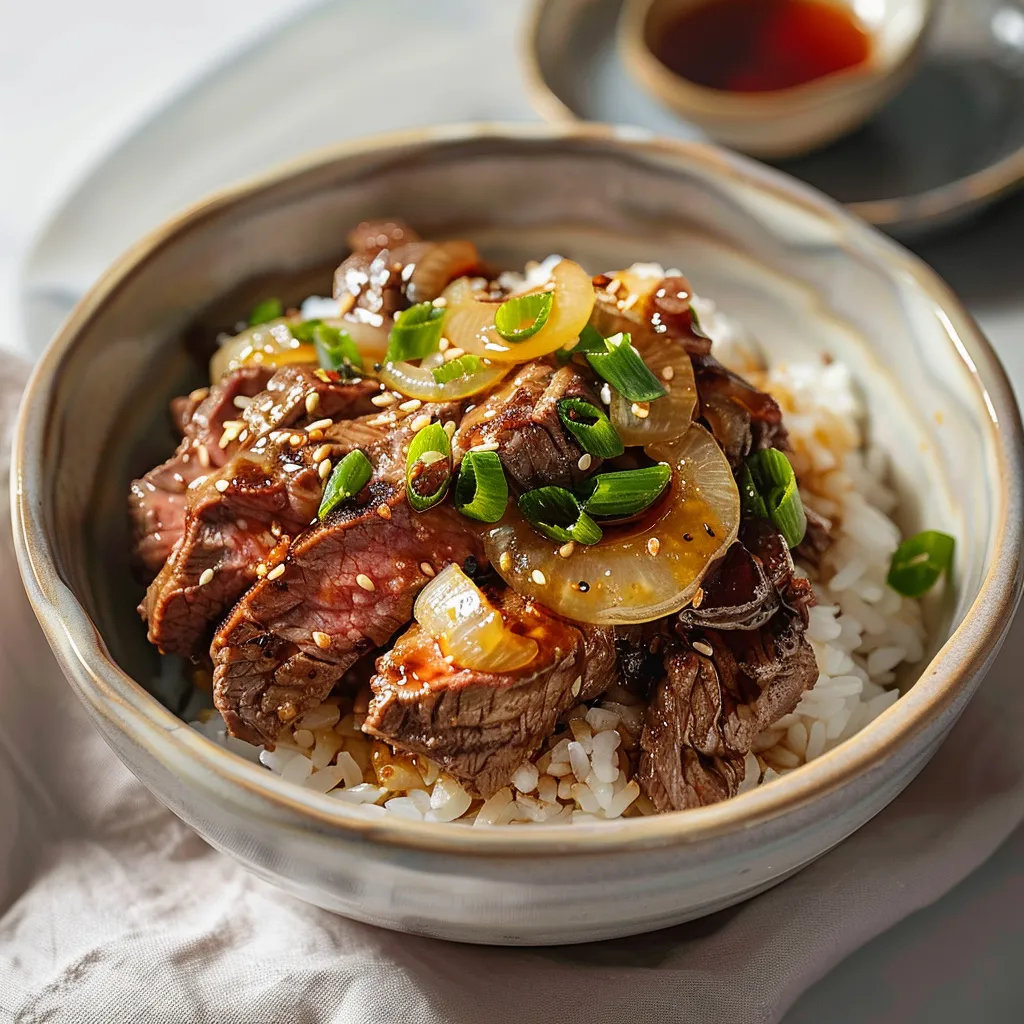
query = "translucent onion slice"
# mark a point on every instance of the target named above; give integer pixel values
(641, 571)
(271, 344)
(469, 324)
(456, 612)
(418, 381)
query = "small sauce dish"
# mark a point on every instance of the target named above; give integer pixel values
(774, 78)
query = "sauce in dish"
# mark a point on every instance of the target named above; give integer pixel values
(762, 45)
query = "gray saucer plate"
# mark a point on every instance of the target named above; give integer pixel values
(948, 145)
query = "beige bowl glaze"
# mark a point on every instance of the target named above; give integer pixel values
(788, 122)
(807, 276)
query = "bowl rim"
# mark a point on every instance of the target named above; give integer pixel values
(125, 706)
(917, 211)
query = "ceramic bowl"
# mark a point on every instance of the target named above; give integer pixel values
(807, 277)
(786, 122)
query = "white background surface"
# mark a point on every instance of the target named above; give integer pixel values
(75, 78)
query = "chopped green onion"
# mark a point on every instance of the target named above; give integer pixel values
(416, 333)
(555, 513)
(481, 491)
(623, 368)
(265, 311)
(428, 468)
(464, 366)
(696, 325)
(590, 340)
(625, 493)
(775, 481)
(350, 476)
(335, 349)
(750, 498)
(919, 562)
(522, 317)
(591, 427)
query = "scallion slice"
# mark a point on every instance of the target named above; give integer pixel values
(523, 316)
(481, 491)
(590, 340)
(919, 562)
(555, 513)
(750, 498)
(464, 366)
(591, 427)
(416, 333)
(428, 468)
(696, 324)
(775, 481)
(265, 311)
(335, 349)
(620, 364)
(625, 493)
(350, 476)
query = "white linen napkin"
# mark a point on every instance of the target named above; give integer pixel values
(112, 910)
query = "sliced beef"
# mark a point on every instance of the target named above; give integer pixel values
(157, 500)
(347, 587)
(738, 595)
(234, 518)
(480, 726)
(521, 417)
(742, 418)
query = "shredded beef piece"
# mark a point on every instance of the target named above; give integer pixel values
(480, 726)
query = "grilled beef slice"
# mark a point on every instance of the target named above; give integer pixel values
(521, 417)
(157, 500)
(480, 726)
(235, 517)
(348, 582)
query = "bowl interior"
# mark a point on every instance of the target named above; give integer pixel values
(809, 283)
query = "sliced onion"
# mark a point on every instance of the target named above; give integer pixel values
(368, 330)
(418, 381)
(269, 344)
(456, 612)
(638, 572)
(470, 321)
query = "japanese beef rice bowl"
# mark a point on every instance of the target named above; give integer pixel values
(501, 546)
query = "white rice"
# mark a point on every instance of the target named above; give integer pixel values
(861, 632)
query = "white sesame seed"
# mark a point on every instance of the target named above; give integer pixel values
(324, 469)
(385, 399)
(490, 446)
(222, 485)
(261, 570)
(240, 401)
(443, 345)
(667, 372)
(312, 402)
(242, 524)
(243, 436)
(449, 428)
(538, 577)
(198, 482)
(606, 394)
(380, 421)
(275, 528)
(199, 394)
(321, 424)
(321, 453)
(440, 302)
(641, 410)
(427, 569)
(384, 511)
(706, 649)
(489, 414)
(206, 577)
(449, 659)
(585, 461)
(204, 456)
(454, 353)
(577, 686)
(322, 640)
(654, 545)
(505, 561)
(421, 421)
(566, 550)
(296, 440)
(365, 582)
(411, 406)
(276, 572)
(630, 302)
(613, 286)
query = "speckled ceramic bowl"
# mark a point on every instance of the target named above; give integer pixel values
(805, 275)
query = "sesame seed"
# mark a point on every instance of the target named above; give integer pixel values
(204, 456)
(240, 401)
(321, 424)
(276, 572)
(242, 524)
(427, 569)
(206, 577)
(275, 528)
(630, 302)
(261, 570)
(698, 598)
(222, 485)
(490, 446)
(641, 410)
(453, 353)
(606, 394)
(566, 550)
(321, 374)
(585, 462)
(312, 402)
(443, 345)
(421, 421)
(538, 577)
(243, 436)
(385, 399)
(198, 482)
(449, 428)
(296, 440)
(324, 469)
(440, 302)
(365, 582)
(411, 406)
(654, 545)
(449, 659)
(384, 511)
(199, 394)
(706, 649)
(380, 421)
(321, 453)
(287, 712)
(322, 640)
(505, 561)
(577, 686)
(708, 530)
(489, 414)
(667, 372)
(583, 586)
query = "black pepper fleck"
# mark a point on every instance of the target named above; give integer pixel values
(584, 586)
